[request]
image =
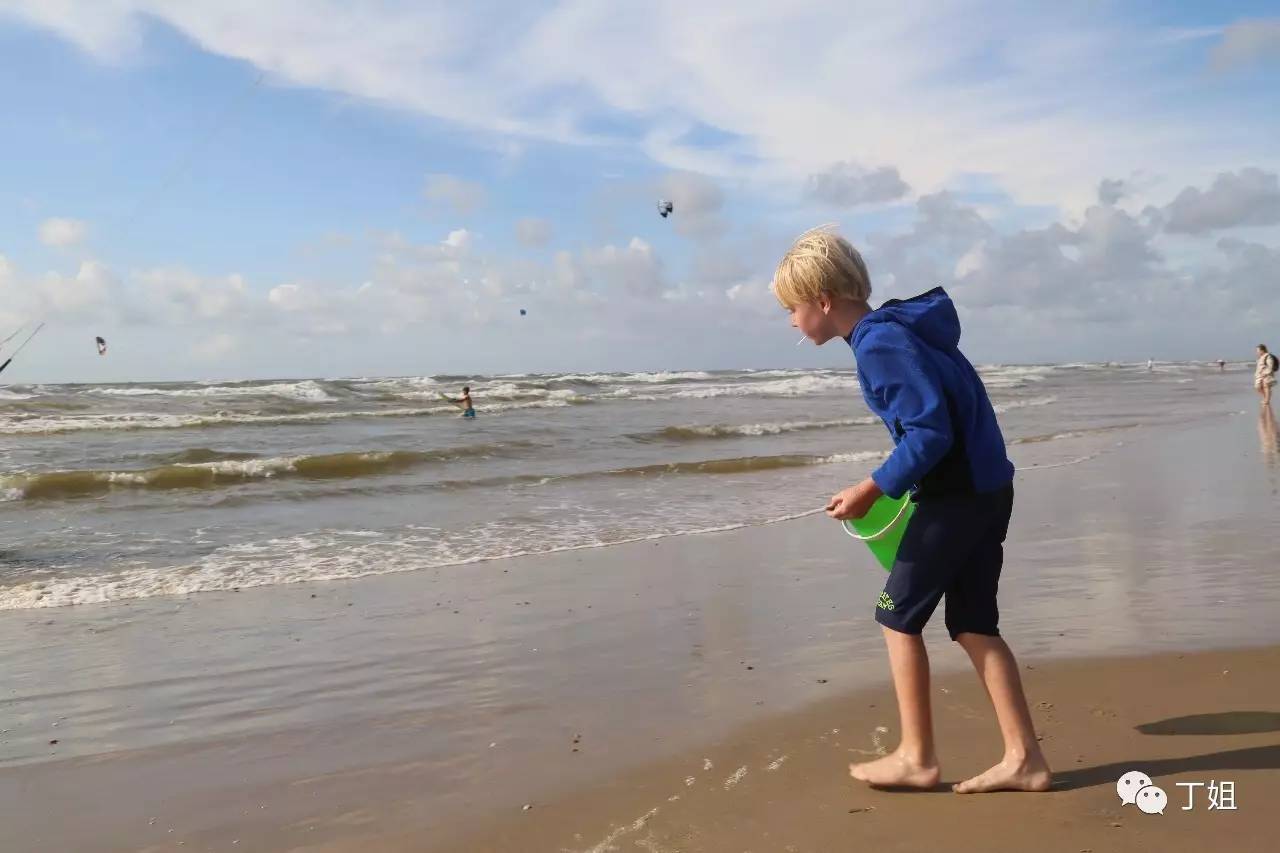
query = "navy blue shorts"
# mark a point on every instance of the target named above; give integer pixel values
(953, 546)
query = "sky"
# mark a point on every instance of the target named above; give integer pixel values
(368, 187)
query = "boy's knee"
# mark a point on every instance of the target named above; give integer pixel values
(970, 616)
(973, 639)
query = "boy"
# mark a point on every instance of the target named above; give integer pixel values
(950, 453)
(468, 410)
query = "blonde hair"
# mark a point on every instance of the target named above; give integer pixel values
(820, 261)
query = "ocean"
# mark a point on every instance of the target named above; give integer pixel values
(127, 491)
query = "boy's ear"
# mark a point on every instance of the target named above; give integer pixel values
(824, 302)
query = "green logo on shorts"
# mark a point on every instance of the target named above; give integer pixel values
(886, 603)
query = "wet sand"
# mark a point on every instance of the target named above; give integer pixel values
(783, 785)
(424, 710)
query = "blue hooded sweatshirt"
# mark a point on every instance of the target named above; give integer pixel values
(929, 396)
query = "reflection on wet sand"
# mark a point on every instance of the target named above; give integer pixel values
(1269, 436)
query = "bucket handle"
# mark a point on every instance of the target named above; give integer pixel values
(847, 524)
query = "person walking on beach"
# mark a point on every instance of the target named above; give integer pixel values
(1264, 376)
(950, 453)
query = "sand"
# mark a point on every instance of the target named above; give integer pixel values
(778, 784)
(783, 785)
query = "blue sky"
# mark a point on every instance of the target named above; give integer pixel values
(328, 188)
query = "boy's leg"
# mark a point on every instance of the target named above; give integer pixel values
(1023, 767)
(939, 535)
(973, 618)
(914, 764)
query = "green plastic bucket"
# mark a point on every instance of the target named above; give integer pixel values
(882, 527)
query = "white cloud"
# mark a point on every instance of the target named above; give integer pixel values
(216, 347)
(1086, 287)
(86, 294)
(1248, 41)
(697, 204)
(1246, 281)
(109, 30)
(534, 232)
(1112, 245)
(943, 232)
(1248, 197)
(463, 197)
(755, 297)
(718, 265)
(1112, 190)
(12, 299)
(1105, 266)
(634, 269)
(846, 184)
(178, 296)
(971, 261)
(1077, 94)
(62, 233)
(288, 297)
(1097, 288)
(459, 239)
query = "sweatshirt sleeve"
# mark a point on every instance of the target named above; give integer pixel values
(902, 374)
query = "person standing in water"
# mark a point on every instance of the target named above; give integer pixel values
(468, 410)
(1264, 376)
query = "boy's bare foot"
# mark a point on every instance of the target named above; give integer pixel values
(896, 771)
(1029, 774)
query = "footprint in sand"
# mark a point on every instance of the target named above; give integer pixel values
(877, 747)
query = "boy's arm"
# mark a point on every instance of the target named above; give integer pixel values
(902, 373)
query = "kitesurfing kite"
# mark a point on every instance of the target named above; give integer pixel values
(34, 332)
(102, 346)
(664, 208)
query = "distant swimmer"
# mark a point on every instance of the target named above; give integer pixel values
(468, 410)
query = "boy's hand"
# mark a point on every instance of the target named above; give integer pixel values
(855, 501)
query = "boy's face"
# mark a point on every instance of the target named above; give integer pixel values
(813, 318)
